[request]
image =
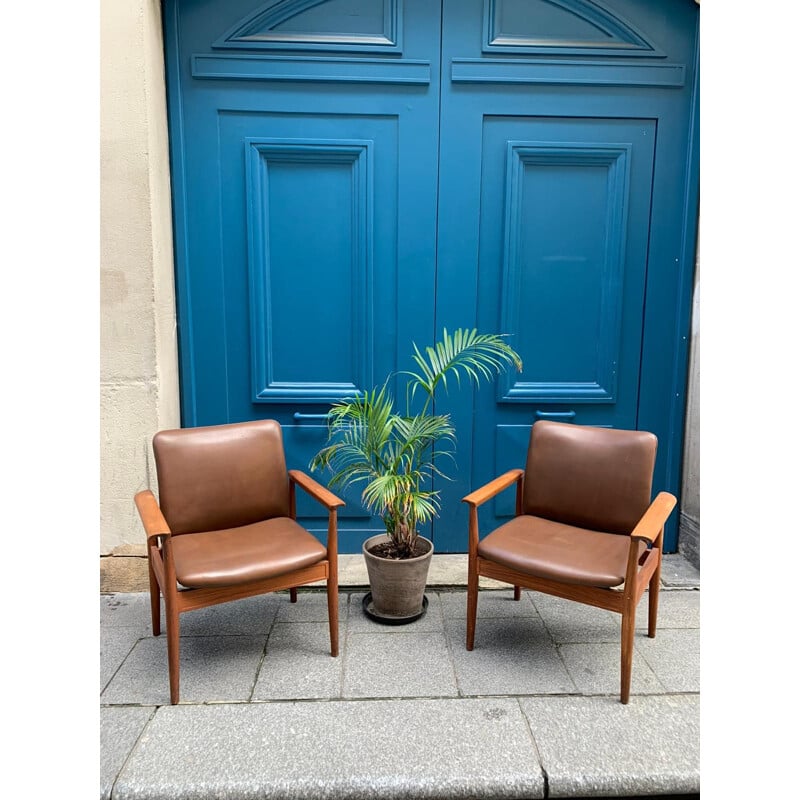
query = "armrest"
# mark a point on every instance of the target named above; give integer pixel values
(150, 512)
(488, 491)
(316, 490)
(650, 525)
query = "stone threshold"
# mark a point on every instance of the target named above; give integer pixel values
(125, 570)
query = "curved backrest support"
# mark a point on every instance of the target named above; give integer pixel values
(597, 478)
(221, 476)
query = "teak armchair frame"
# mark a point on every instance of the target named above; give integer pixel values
(177, 600)
(641, 572)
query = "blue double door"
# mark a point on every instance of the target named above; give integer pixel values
(353, 176)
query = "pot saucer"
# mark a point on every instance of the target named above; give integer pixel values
(386, 619)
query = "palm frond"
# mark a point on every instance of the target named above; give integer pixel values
(467, 352)
(393, 457)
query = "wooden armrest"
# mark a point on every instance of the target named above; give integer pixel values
(650, 525)
(316, 490)
(487, 492)
(150, 512)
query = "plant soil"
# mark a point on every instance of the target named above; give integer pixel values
(390, 550)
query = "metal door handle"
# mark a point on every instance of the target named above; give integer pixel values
(298, 416)
(555, 414)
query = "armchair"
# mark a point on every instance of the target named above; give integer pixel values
(224, 526)
(584, 526)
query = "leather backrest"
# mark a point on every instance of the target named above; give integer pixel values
(221, 476)
(598, 478)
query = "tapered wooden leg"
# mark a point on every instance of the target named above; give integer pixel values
(333, 582)
(628, 627)
(292, 595)
(517, 592)
(155, 599)
(173, 622)
(654, 589)
(333, 612)
(472, 601)
(173, 651)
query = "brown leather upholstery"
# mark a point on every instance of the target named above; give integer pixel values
(596, 478)
(224, 526)
(559, 552)
(240, 555)
(221, 476)
(583, 524)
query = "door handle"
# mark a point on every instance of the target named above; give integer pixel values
(298, 416)
(556, 415)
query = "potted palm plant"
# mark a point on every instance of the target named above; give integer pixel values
(393, 456)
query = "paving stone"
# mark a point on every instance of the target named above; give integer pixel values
(463, 749)
(119, 730)
(495, 603)
(213, 668)
(359, 622)
(595, 668)
(127, 610)
(115, 645)
(677, 571)
(446, 570)
(674, 656)
(298, 664)
(511, 656)
(352, 571)
(593, 746)
(401, 665)
(568, 621)
(251, 616)
(676, 609)
(310, 607)
(239, 749)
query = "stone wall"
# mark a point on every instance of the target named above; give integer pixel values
(138, 343)
(689, 523)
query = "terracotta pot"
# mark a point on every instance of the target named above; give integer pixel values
(397, 585)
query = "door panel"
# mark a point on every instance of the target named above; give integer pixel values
(562, 256)
(562, 216)
(550, 171)
(307, 208)
(571, 283)
(320, 258)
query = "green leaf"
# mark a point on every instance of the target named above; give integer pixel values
(393, 457)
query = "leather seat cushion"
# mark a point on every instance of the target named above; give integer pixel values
(248, 553)
(546, 549)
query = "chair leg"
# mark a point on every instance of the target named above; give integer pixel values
(654, 589)
(155, 599)
(628, 627)
(333, 613)
(173, 651)
(472, 602)
(292, 595)
(517, 592)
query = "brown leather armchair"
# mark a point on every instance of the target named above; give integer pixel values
(224, 526)
(584, 525)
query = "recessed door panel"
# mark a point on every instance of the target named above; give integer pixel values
(563, 220)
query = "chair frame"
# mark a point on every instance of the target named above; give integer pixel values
(163, 581)
(641, 572)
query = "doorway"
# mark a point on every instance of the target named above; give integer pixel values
(352, 176)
